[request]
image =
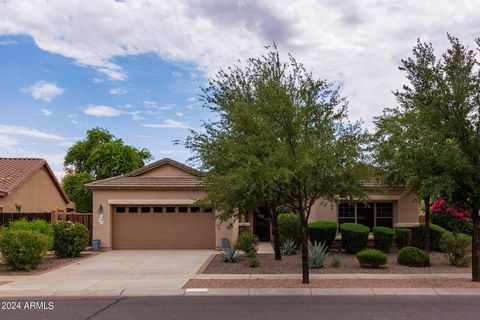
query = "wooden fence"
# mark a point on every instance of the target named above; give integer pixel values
(84, 218)
(7, 217)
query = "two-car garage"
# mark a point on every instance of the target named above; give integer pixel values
(154, 207)
(163, 227)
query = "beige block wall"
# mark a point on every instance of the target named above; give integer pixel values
(104, 232)
(37, 194)
(406, 211)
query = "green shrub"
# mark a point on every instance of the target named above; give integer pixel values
(69, 238)
(289, 247)
(436, 233)
(253, 261)
(402, 237)
(23, 249)
(354, 236)
(372, 258)
(456, 247)
(317, 254)
(289, 228)
(37, 225)
(413, 257)
(230, 255)
(336, 260)
(322, 231)
(247, 242)
(383, 237)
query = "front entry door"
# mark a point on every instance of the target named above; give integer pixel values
(261, 224)
(366, 214)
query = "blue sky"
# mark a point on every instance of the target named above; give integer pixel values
(135, 66)
(58, 100)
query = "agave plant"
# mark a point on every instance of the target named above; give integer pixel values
(289, 247)
(230, 254)
(336, 260)
(317, 254)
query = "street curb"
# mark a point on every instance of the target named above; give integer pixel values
(333, 276)
(92, 294)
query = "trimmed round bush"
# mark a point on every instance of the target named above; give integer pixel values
(23, 249)
(383, 238)
(69, 238)
(289, 228)
(37, 225)
(402, 237)
(372, 258)
(354, 236)
(436, 233)
(456, 247)
(322, 232)
(413, 257)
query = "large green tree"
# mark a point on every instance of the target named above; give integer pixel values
(100, 155)
(280, 128)
(409, 150)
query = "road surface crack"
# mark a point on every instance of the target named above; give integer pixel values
(104, 308)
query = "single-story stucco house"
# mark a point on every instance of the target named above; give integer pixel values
(28, 185)
(154, 208)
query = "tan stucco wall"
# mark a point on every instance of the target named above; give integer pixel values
(37, 194)
(406, 208)
(166, 171)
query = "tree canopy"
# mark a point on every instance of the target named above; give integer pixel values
(101, 155)
(279, 135)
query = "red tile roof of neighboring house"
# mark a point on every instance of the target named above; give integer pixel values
(15, 171)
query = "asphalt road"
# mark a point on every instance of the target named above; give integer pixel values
(246, 308)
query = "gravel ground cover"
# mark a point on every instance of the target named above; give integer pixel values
(349, 264)
(336, 283)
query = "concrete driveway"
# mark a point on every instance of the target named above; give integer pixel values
(120, 272)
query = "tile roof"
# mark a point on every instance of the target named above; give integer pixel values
(148, 182)
(15, 171)
(134, 179)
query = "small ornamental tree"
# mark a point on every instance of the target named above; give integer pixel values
(280, 138)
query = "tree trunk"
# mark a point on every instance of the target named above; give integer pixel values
(476, 246)
(304, 228)
(275, 233)
(426, 230)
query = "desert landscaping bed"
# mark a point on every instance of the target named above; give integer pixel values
(337, 283)
(49, 262)
(349, 264)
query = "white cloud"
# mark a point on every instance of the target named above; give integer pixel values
(117, 91)
(136, 115)
(8, 42)
(29, 132)
(7, 142)
(167, 123)
(177, 74)
(46, 112)
(43, 90)
(357, 43)
(156, 106)
(179, 114)
(102, 111)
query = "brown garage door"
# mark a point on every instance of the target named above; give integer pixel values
(167, 227)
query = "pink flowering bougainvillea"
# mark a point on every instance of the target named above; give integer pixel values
(450, 218)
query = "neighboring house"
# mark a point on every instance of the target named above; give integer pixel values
(28, 185)
(153, 208)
